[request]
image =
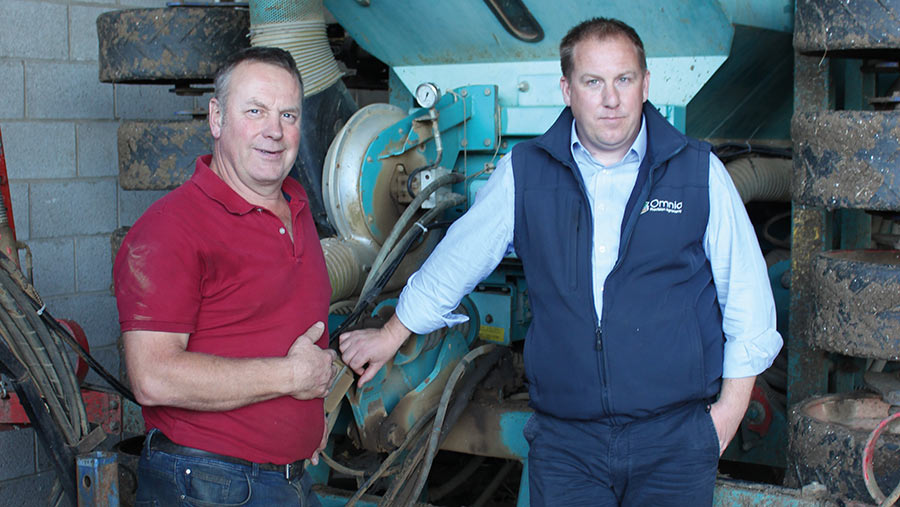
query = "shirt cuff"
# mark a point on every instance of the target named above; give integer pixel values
(420, 317)
(750, 357)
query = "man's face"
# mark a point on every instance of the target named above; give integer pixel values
(258, 132)
(606, 91)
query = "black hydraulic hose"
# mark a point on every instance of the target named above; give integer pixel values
(437, 429)
(14, 325)
(391, 263)
(88, 358)
(60, 368)
(403, 221)
(728, 151)
(36, 359)
(29, 299)
(414, 434)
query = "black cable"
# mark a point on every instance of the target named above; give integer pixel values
(730, 150)
(88, 358)
(412, 236)
(412, 175)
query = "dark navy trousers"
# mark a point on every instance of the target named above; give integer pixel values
(667, 460)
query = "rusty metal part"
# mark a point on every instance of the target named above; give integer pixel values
(887, 385)
(98, 479)
(483, 429)
(827, 437)
(128, 452)
(856, 294)
(847, 159)
(734, 493)
(159, 155)
(102, 408)
(827, 26)
(185, 44)
(807, 367)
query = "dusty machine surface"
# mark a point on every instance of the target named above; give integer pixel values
(797, 99)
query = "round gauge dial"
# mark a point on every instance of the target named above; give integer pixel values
(427, 94)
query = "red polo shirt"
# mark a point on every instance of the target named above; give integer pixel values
(204, 261)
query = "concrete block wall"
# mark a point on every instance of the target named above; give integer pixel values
(58, 124)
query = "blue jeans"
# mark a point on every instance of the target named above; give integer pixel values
(667, 460)
(170, 479)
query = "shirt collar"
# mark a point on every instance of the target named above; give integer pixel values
(636, 153)
(212, 185)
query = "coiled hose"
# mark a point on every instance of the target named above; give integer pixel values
(38, 342)
(868, 463)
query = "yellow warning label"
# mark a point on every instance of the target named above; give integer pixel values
(491, 333)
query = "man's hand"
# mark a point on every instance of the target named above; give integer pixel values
(311, 367)
(372, 347)
(728, 411)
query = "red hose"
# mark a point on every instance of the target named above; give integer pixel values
(868, 463)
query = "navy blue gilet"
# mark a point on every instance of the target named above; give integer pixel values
(660, 343)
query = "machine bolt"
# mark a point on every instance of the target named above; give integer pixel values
(524, 86)
(464, 143)
(755, 412)
(464, 93)
(487, 92)
(489, 318)
(369, 159)
(487, 141)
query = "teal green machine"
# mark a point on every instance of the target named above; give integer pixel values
(469, 80)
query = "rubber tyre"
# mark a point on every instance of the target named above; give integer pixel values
(837, 27)
(159, 155)
(856, 294)
(827, 437)
(176, 44)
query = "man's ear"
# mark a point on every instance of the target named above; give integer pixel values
(646, 85)
(215, 117)
(564, 87)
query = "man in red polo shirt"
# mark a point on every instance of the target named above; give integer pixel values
(222, 293)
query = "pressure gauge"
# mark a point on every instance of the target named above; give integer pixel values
(427, 94)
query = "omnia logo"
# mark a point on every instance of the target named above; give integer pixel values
(662, 205)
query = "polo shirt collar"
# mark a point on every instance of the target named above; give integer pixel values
(212, 185)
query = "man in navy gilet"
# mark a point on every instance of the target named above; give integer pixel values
(652, 310)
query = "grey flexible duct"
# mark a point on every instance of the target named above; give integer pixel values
(297, 26)
(761, 178)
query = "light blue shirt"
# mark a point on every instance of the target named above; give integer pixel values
(477, 242)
